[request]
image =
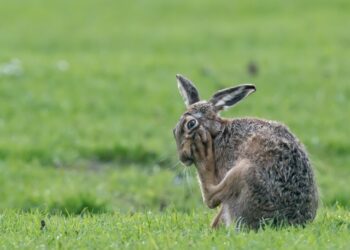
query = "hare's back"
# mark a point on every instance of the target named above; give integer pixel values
(262, 142)
(278, 156)
(267, 142)
(281, 183)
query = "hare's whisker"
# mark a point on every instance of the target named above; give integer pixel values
(175, 165)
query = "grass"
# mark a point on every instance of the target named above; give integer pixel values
(167, 230)
(88, 100)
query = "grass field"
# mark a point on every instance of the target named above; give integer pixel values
(88, 99)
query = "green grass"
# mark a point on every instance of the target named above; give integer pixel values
(88, 99)
(167, 230)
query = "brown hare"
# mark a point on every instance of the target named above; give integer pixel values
(257, 170)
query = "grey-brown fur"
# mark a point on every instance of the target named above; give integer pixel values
(273, 178)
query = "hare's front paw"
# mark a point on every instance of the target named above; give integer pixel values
(203, 151)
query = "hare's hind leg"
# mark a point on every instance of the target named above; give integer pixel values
(214, 191)
(230, 185)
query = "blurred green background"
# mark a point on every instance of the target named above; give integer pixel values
(88, 96)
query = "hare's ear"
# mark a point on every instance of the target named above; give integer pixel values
(187, 90)
(228, 97)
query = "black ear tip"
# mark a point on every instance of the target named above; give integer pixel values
(179, 76)
(252, 87)
(182, 79)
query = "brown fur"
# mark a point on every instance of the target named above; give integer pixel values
(257, 170)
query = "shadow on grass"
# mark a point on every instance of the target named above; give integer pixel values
(121, 154)
(124, 154)
(79, 204)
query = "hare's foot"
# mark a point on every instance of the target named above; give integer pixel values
(203, 152)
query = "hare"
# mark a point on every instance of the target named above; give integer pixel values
(257, 170)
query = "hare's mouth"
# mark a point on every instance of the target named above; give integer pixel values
(186, 160)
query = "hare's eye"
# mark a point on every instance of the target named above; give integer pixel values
(191, 124)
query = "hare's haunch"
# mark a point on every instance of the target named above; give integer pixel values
(257, 170)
